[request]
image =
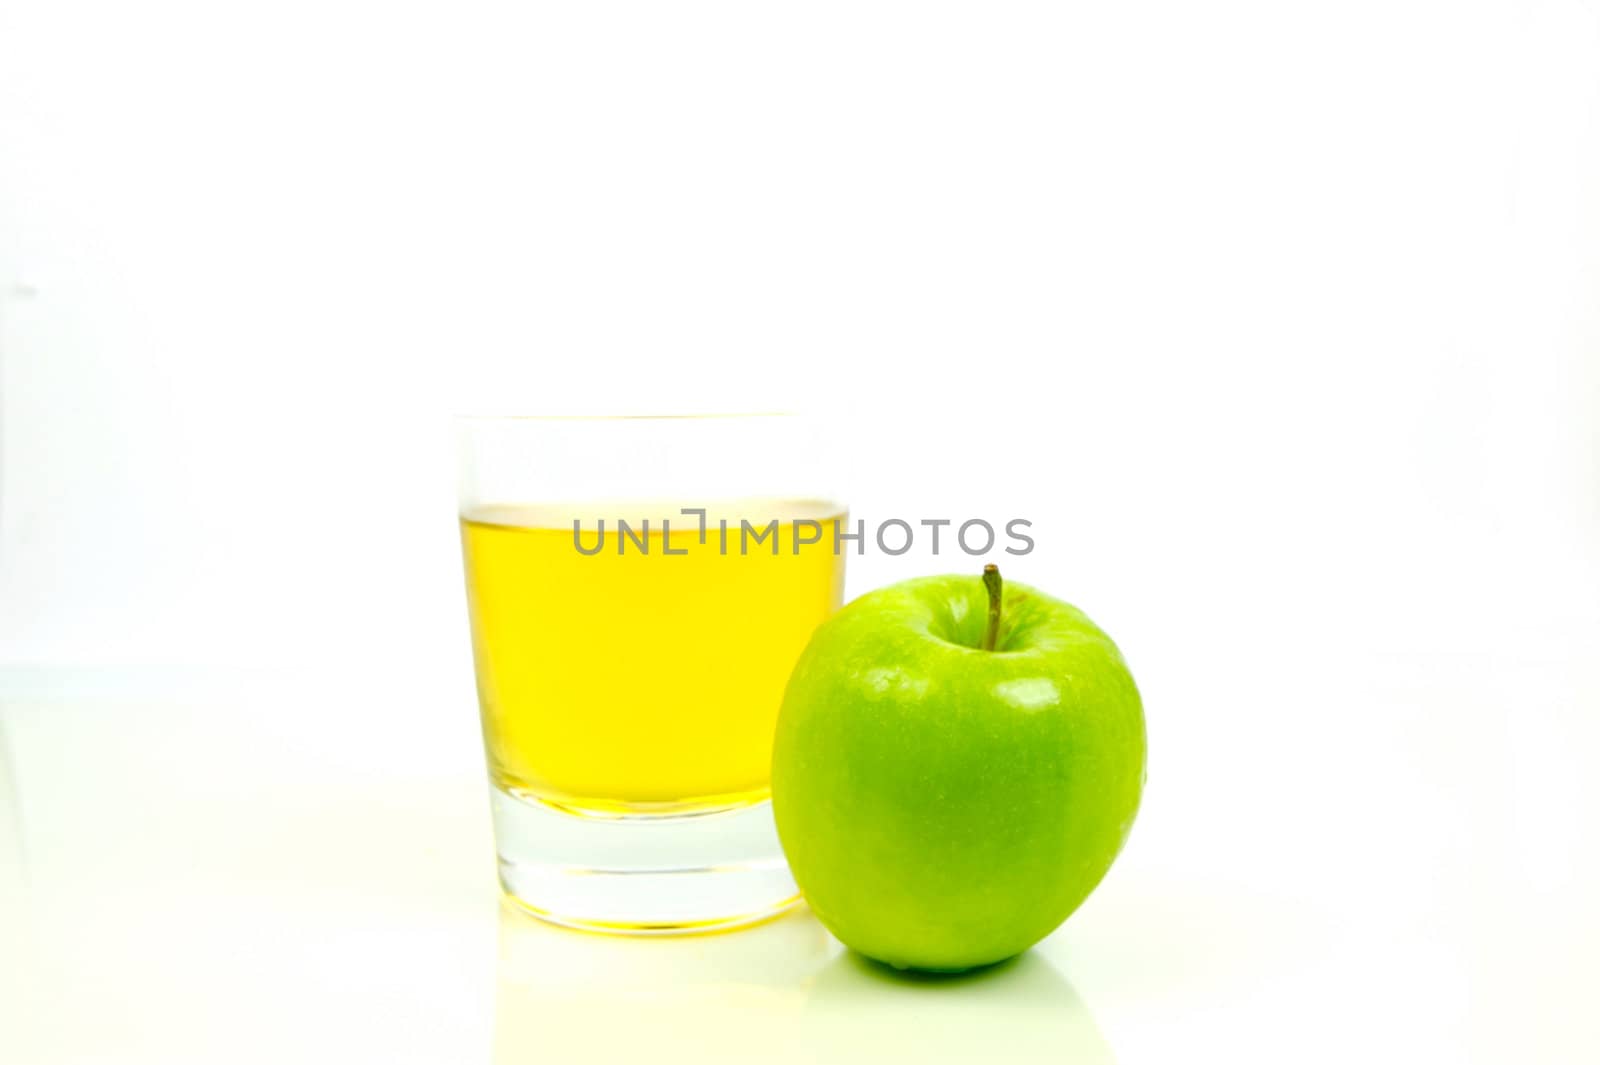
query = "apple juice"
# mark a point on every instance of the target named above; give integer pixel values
(627, 670)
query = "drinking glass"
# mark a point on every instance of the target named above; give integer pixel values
(639, 590)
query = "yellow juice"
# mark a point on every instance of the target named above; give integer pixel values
(639, 677)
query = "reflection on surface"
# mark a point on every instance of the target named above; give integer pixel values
(16, 953)
(11, 855)
(566, 996)
(784, 991)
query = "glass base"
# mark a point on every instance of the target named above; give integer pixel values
(647, 874)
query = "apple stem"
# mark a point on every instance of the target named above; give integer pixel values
(991, 581)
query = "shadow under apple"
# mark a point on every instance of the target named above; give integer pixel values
(780, 992)
(1020, 1010)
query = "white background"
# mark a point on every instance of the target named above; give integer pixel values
(1281, 322)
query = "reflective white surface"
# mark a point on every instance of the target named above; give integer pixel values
(1380, 866)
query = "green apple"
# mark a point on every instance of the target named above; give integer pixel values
(955, 768)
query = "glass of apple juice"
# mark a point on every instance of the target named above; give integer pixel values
(638, 591)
